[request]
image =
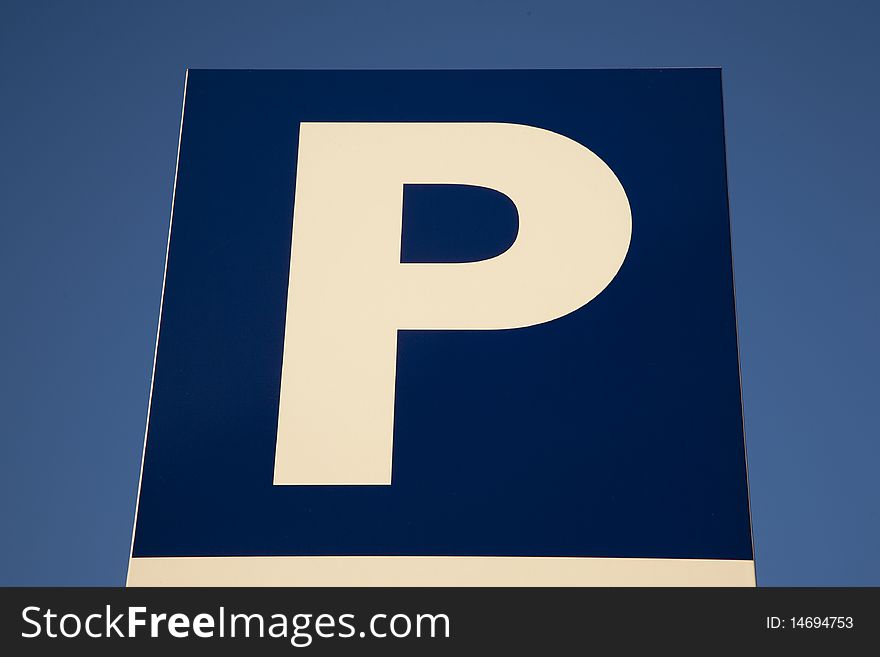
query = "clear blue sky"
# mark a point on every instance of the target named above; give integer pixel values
(90, 111)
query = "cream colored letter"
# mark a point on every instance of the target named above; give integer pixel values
(349, 293)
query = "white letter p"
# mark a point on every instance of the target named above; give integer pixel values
(349, 293)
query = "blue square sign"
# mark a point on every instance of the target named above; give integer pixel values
(447, 327)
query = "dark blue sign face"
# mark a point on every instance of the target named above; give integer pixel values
(615, 430)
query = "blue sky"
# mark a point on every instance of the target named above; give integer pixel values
(91, 107)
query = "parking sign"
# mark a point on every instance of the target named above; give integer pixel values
(447, 328)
